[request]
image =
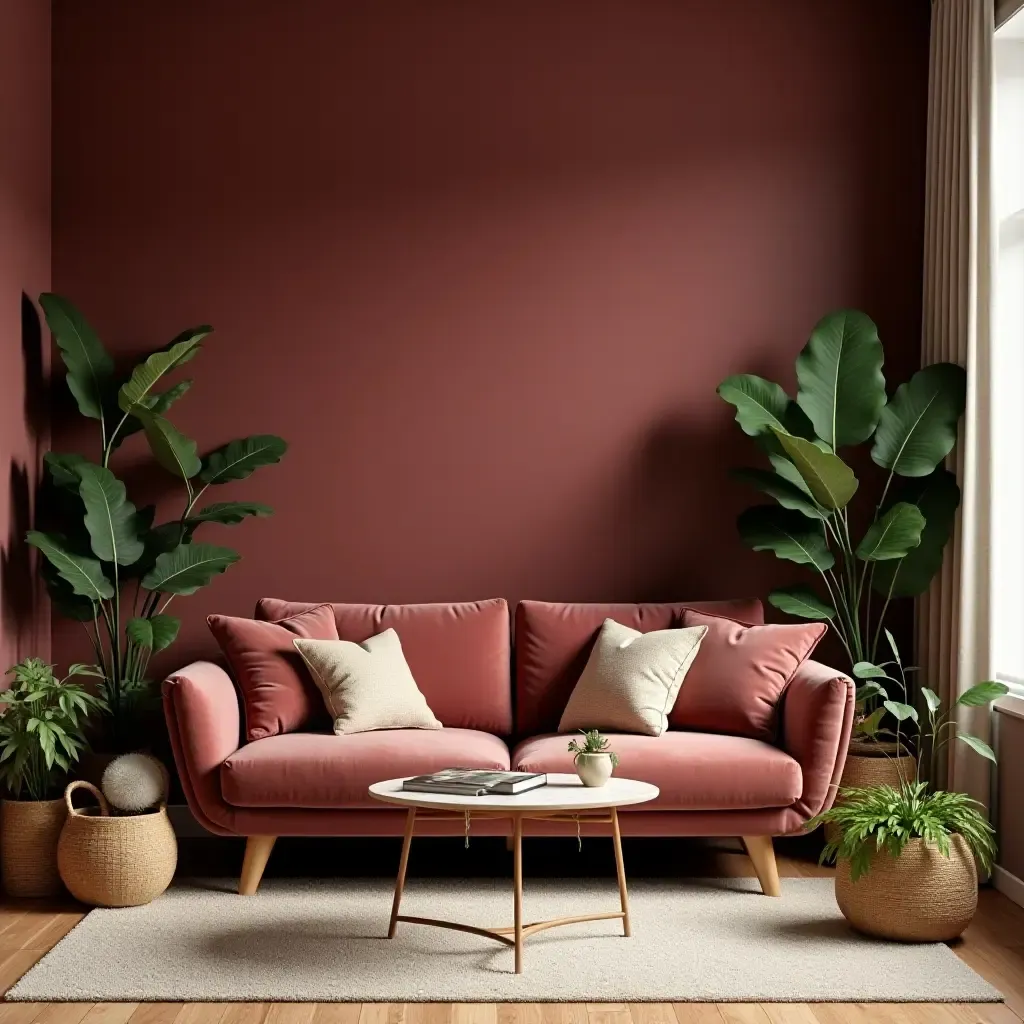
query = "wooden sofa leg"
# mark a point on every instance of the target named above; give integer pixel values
(257, 853)
(762, 853)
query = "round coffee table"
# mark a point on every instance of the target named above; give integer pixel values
(564, 798)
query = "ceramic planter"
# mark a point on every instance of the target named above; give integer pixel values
(29, 833)
(594, 769)
(920, 896)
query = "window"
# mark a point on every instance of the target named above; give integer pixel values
(1008, 356)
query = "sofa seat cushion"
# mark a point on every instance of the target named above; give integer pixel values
(695, 771)
(326, 771)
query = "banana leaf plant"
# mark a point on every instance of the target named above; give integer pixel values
(841, 402)
(106, 563)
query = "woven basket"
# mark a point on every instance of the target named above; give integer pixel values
(919, 896)
(872, 764)
(29, 831)
(115, 861)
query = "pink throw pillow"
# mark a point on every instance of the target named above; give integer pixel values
(739, 674)
(277, 692)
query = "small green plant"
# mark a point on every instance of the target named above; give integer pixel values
(888, 817)
(939, 728)
(874, 818)
(41, 728)
(593, 743)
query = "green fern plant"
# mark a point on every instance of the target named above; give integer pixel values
(41, 727)
(887, 818)
(593, 743)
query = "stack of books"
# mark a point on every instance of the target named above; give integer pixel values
(473, 782)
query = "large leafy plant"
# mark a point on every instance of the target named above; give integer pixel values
(41, 728)
(107, 564)
(841, 402)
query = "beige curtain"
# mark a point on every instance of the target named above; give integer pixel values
(953, 618)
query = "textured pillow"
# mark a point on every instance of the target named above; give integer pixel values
(740, 674)
(631, 679)
(367, 686)
(277, 694)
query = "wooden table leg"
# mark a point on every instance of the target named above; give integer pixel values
(620, 870)
(517, 884)
(403, 864)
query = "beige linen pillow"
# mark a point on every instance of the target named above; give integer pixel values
(632, 679)
(367, 686)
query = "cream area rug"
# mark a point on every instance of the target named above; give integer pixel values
(324, 941)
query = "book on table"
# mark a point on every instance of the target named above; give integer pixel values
(474, 782)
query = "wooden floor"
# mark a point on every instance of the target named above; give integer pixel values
(993, 946)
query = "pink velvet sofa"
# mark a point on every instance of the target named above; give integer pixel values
(315, 784)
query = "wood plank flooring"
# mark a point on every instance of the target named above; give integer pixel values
(993, 946)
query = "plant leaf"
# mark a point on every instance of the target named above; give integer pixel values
(761, 405)
(897, 532)
(801, 602)
(90, 368)
(84, 574)
(230, 512)
(839, 378)
(171, 448)
(982, 693)
(901, 712)
(865, 670)
(63, 469)
(238, 459)
(931, 699)
(109, 517)
(187, 568)
(978, 746)
(869, 689)
(917, 429)
(787, 494)
(156, 633)
(63, 597)
(937, 497)
(159, 403)
(828, 478)
(869, 726)
(787, 533)
(145, 377)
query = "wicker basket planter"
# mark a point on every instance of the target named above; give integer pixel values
(115, 861)
(920, 896)
(29, 831)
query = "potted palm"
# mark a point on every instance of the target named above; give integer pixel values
(106, 562)
(905, 853)
(41, 738)
(841, 402)
(594, 759)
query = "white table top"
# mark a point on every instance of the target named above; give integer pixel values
(562, 793)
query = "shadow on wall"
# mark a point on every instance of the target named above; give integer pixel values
(19, 585)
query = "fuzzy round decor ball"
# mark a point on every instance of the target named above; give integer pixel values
(134, 782)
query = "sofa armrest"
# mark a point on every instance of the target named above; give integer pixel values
(201, 709)
(817, 719)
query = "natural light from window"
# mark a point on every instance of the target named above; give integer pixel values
(1008, 355)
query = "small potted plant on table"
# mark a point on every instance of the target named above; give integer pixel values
(41, 737)
(594, 761)
(905, 854)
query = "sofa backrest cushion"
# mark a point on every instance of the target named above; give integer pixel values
(458, 653)
(554, 640)
(740, 674)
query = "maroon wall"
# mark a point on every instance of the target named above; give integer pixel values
(483, 265)
(24, 272)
